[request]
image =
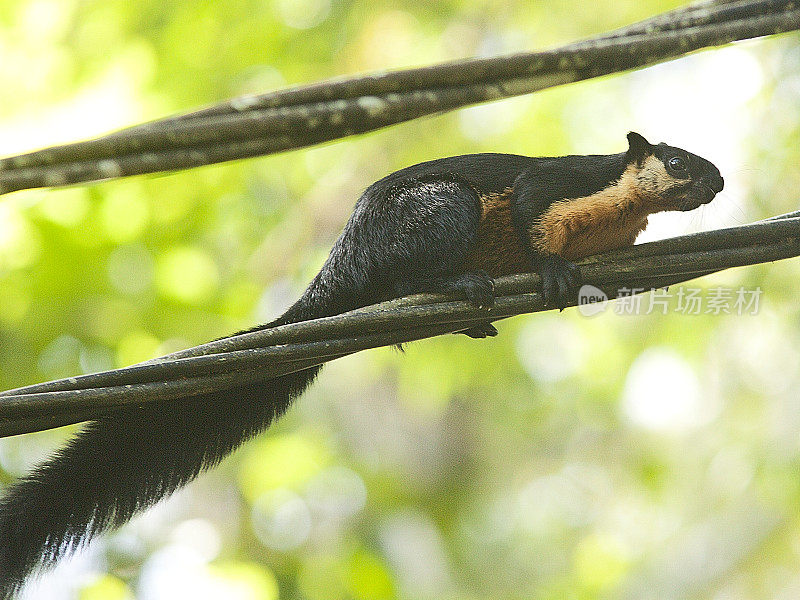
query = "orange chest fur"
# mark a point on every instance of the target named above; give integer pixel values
(586, 226)
(570, 228)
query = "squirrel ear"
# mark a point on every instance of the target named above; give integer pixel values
(638, 148)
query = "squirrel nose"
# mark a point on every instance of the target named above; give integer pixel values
(715, 182)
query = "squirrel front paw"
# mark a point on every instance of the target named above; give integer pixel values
(561, 280)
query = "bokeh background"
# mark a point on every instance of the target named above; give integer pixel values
(618, 456)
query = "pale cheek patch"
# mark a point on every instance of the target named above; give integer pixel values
(653, 178)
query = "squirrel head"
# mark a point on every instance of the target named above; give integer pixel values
(670, 177)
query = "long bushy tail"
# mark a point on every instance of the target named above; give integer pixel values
(125, 462)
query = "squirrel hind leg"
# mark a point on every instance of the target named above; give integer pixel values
(481, 331)
(476, 287)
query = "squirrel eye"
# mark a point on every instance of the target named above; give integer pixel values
(677, 163)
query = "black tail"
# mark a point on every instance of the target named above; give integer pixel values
(121, 464)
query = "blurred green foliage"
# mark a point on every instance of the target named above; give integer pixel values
(620, 456)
